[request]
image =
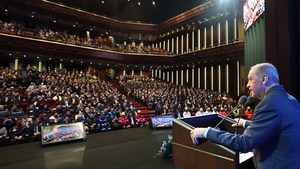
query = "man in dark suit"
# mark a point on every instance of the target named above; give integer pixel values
(274, 132)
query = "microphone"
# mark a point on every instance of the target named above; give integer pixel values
(249, 101)
(242, 102)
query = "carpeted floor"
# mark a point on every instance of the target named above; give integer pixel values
(122, 149)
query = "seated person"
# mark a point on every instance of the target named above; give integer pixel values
(132, 120)
(52, 120)
(3, 133)
(17, 133)
(91, 123)
(141, 120)
(79, 117)
(29, 131)
(123, 120)
(186, 113)
(248, 113)
(200, 112)
(223, 111)
(104, 122)
(115, 122)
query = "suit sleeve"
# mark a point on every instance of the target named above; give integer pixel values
(265, 124)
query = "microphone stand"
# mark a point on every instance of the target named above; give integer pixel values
(240, 116)
(226, 117)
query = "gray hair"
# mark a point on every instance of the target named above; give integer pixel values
(268, 69)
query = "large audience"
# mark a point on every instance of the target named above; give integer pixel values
(29, 100)
(182, 101)
(101, 42)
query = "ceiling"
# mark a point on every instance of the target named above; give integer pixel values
(149, 11)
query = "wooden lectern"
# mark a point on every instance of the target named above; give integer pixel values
(207, 155)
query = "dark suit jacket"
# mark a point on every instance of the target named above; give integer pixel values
(273, 134)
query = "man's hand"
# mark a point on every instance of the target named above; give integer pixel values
(197, 133)
(238, 122)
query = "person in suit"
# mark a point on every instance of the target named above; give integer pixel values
(273, 133)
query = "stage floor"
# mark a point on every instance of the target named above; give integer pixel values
(123, 149)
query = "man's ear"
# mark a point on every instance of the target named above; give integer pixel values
(265, 79)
